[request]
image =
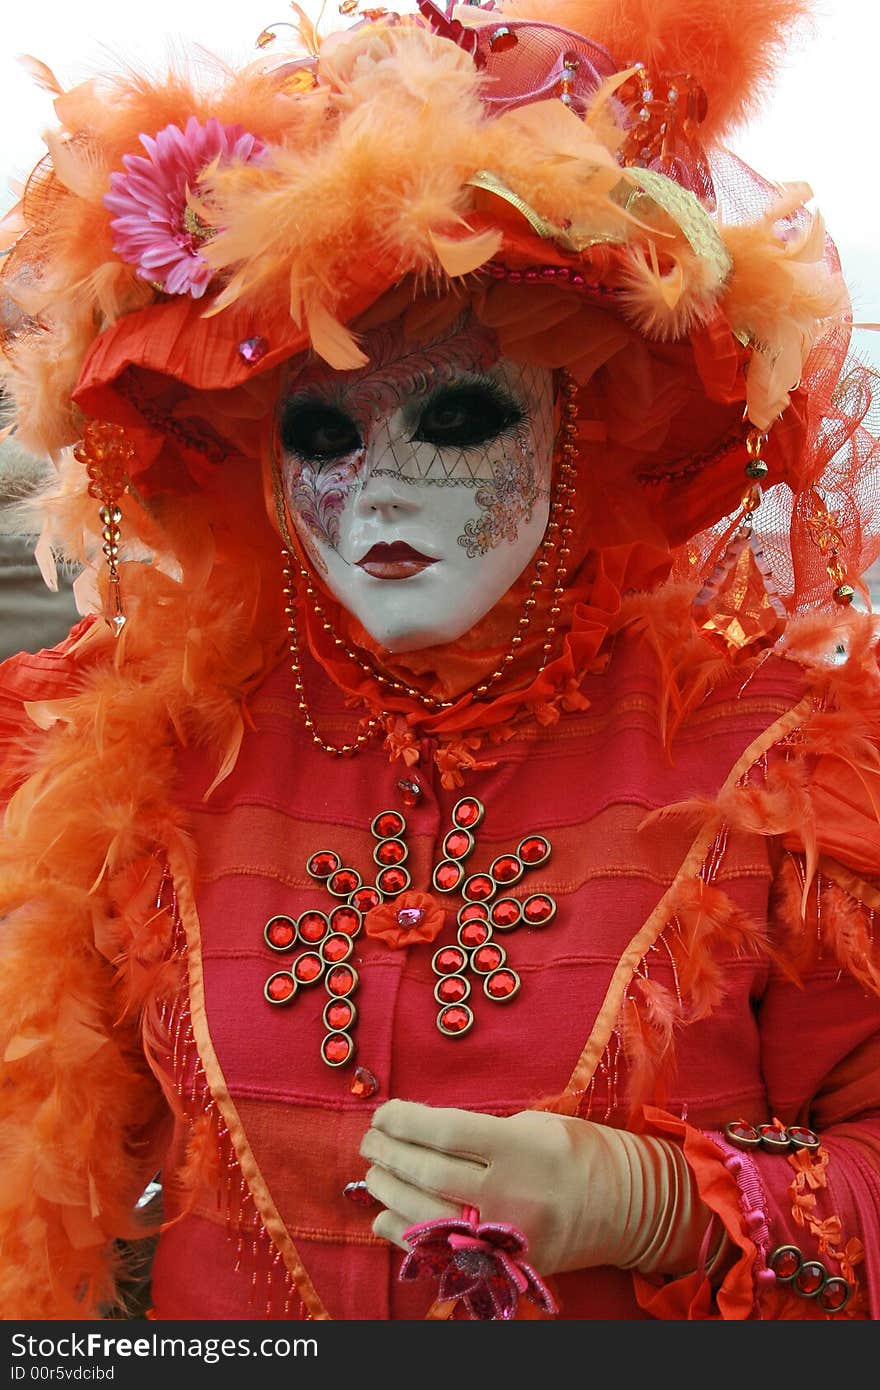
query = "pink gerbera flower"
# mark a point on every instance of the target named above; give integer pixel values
(154, 228)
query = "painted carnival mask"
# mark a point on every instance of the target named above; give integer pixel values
(419, 484)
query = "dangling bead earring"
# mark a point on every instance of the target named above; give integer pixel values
(106, 452)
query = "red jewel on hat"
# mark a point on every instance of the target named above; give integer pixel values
(390, 852)
(506, 914)
(363, 1084)
(339, 1014)
(323, 864)
(341, 980)
(343, 882)
(478, 888)
(539, 909)
(346, 920)
(308, 968)
(452, 989)
(455, 1020)
(280, 988)
(393, 881)
(473, 934)
(488, 958)
(458, 844)
(467, 813)
(388, 825)
(501, 985)
(337, 1049)
(312, 927)
(253, 350)
(280, 933)
(447, 876)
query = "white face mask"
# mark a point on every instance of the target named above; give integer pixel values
(420, 484)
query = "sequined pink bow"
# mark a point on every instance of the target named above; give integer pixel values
(478, 1262)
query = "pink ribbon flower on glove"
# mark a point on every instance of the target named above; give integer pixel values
(480, 1263)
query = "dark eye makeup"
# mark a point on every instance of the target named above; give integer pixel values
(466, 414)
(463, 415)
(317, 431)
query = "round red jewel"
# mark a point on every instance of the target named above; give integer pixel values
(473, 912)
(458, 844)
(506, 869)
(337, 948)
(323, 864)
(455, 1020)
(388, 824)
(501, 984)
(390, 852)
(336, 1049)
(474, 934)
(785, 1262)
(467, 813)
(392, 881)
(539, 909)
(365, 899)
(447, 875)
(487, 958)
(341, 981)
(410, 792)
(803, 1138)
(308, 968)
(810, 1278)
(339, 1014)
(835, 1295)
(312, 927)
(363, 1084)
(478, 888)
(452, 990)
(346, 920)
(534, 849)
(741, 1133)
(773, 1139)
(506, 913)
(280, 933)
(280, 988)
(449, 960)
(343, 882)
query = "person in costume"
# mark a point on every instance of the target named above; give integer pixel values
(448, 854)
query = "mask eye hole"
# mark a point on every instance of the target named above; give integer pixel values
(317, 432)
(467, 414)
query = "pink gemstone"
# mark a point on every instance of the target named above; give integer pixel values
(251, 350)
(534, 849)
(410, 916)
(410, 792)
(506, 869)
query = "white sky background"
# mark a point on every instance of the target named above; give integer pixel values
(819, 125)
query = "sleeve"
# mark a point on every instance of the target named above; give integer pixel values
(798, 1201)
(82, 1120)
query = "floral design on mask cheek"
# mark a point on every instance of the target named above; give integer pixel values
(319, 493)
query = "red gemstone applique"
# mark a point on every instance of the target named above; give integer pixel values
(505, 914)
(337, 948)
(539, 909)
(337, 1049)
(346, 920)
(312, 927)
(478, 888)
(341, 980)
(467, 813)
(280, 933)
(390, 852)
(534, 849)
(506, 869)
(458, 844)
(392, 881)
(474, 934)
(473, 912)
(323, 864)
(388, 824)
(365, 899)
(449, 960)
(488, 958)
(447, 876)
(280, 988)
(308, 968)
(343, 882)
(452, 989)
(501, 984)
(455, 1020)
(339, 1014)
(363, 1084)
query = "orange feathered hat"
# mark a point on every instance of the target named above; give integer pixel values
(558, 165)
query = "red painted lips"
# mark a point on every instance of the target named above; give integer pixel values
(395, 561)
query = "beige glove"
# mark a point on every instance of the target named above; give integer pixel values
(582, 1193)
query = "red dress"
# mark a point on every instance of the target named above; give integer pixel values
(696, 915)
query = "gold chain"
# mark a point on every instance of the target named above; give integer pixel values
(558, 528)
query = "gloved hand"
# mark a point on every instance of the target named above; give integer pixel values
(582, 1193)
